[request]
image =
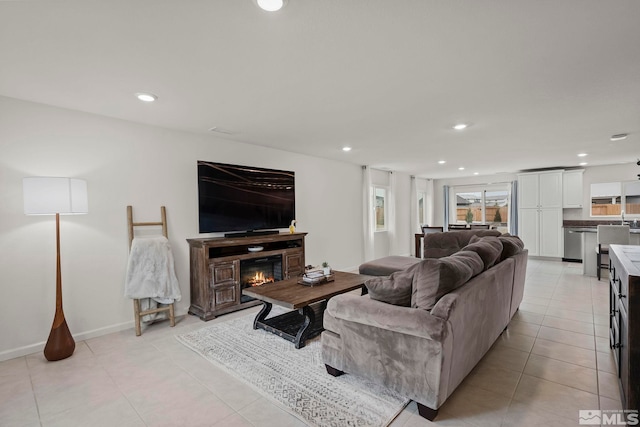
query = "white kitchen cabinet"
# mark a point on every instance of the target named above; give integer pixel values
(529, 229)
(572, 189)
(551, 236)
(529, 191)
(540, 213)
(550, 190)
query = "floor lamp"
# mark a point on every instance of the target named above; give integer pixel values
(56, 196)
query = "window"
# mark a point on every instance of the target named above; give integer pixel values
(496, 208)
(615, 198)
(487, 204)
(632, 197)
(469, 207)
(380, 207)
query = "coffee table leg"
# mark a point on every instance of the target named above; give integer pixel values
(264, 312)
(309, 319)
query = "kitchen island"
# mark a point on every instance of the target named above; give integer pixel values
(589, 244)
(624, 323)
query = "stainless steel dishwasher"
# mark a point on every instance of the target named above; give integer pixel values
(572, 244)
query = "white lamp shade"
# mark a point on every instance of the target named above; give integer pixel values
(48, 196)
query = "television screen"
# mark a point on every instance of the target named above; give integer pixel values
(244, 198)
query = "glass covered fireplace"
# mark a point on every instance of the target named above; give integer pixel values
(258, 271)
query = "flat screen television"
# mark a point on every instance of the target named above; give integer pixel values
(244, 198)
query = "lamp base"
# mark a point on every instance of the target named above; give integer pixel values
(60, 344)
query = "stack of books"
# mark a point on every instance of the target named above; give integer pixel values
(313, 276)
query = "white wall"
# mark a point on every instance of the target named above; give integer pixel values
(595, 174)
(131, 164)
(402, 244)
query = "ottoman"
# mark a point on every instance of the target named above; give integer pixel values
(387, 265)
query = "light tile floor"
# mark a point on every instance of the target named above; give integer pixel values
(553, 360)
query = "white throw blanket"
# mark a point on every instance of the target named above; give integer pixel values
(151, 272)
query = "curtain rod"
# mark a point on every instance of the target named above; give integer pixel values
(483, 183)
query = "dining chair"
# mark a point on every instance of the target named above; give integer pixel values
(453, 227)
(480, 226)
(609, 235)
(426, 229)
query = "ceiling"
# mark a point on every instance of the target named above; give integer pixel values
(539, 81)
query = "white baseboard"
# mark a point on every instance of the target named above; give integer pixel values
(351, 269)
(22, 351)
(82, 336)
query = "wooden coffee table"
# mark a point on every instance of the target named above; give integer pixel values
(309, 301)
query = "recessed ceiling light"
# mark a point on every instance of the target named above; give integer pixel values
(146, 97)
(461, 168)
(476, 173)
(442, 162)
(271, 5)
(460, 126)
(583, 163)
(582, 155)
(619, 137)
(346, 148)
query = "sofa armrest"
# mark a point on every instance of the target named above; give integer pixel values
(404, 320)
(444, 307)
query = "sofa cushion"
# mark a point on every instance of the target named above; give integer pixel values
(387, 265)
(489, 248)
(511, 245)
(434, 278)
(472, 259)
(393, 289)
(438, 245)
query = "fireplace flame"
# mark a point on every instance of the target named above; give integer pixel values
(260, 279)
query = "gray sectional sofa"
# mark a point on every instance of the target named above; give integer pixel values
(422, 329)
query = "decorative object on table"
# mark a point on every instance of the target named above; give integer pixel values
(151, 279)
(326, 268)
(294, 378)
(292, 227)
(316, 277)
(56, 196)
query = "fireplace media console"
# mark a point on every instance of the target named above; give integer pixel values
(222, 266)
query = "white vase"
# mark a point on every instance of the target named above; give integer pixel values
(326, 270)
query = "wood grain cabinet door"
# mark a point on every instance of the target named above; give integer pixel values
(225, 281)
(293, 265)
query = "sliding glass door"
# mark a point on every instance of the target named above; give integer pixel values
(483, 205)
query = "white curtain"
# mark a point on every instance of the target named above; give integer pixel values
(391, 225)
(415, 221)
(513, 209)
(445, 188)
(429, 203)
(367, 210)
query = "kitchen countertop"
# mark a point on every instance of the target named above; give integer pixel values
(594, 229)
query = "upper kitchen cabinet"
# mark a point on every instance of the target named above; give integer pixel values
(615, 199)
(606, 199)
(540, 190)
(572, 189)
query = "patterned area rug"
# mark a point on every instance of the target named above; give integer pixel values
(297, 379)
